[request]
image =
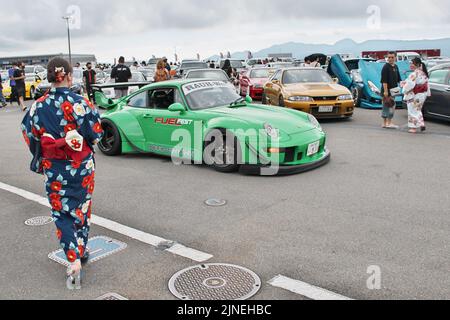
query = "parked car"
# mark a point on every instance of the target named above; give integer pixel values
(185, 66)
(36, 70)
(258, 77)
(136, 77)
(236, 64)
(310, 90)
(438, 105)
(146, 121)
(363, 78)
(31, 83)
(211, 74)
(77, 85)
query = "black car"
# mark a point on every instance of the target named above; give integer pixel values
(185, 66)
(77, 86)
(438, 105)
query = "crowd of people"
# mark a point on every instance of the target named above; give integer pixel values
(17, 77)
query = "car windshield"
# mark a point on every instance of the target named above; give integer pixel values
(208, 74)
(137, 77)
(29, 69)
(306, 76)
(237, 64)
(209, 94)
(261, 73)
(5, 77)
(194, 65)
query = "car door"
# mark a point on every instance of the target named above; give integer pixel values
(338, 69)
(439, 102)
(161, 124)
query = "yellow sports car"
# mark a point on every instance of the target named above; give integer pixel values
(310, 90)
(31, 83)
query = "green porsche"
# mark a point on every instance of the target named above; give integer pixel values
(201, 121)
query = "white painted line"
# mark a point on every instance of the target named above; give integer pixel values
(132, 233)
(305, 289)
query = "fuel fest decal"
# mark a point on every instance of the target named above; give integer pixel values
(173, 122)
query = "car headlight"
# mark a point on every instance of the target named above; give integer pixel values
(300, 99)
(356, 75)
(345, 97)
(373, 87)
(271, 131)
(314, 121)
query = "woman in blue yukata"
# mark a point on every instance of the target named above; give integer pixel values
(61, 130)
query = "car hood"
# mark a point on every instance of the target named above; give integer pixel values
(316, 89)
(288, 121)
(259, 81)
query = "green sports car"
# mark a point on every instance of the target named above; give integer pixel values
(206, 122)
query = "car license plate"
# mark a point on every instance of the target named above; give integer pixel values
(326, 109)
(313, 148)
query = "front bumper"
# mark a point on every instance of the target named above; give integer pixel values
(341, 109)
(287, 170)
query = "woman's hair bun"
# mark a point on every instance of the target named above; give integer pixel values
(56, 68)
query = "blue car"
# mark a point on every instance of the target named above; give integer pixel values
(363, 78)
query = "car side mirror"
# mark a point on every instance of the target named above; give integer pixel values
(177, 107)
(335, 80)
(276, 81)
(248, 99)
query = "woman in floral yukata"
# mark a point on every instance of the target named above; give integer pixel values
(61, 129)
(416, 90)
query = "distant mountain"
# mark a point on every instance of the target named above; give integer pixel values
(347, 46)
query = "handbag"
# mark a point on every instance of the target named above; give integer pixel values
(395, 92)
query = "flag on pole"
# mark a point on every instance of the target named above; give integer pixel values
(228, 55)
(221, 55)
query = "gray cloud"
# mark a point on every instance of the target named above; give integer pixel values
(26, 22)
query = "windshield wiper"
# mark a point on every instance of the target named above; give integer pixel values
(237, 102)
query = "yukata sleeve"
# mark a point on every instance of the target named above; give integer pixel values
(32, 130)
(90, 126)
(410, 83)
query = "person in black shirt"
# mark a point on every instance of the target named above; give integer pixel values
(121, 73)
(390, 79)
(19, 77)
(90, 78)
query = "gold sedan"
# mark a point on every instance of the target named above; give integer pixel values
(310, 90)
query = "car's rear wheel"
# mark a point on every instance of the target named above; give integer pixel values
(220, 154)
(111, 143)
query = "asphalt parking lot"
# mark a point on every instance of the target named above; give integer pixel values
(382, 201)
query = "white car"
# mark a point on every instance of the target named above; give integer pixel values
(135, 77)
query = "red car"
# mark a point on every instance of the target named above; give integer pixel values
(253, 81)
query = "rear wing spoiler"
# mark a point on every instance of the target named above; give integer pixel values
(99, 87)
(106, 103)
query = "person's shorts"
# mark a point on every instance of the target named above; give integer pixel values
(20, 92)
(388, 108)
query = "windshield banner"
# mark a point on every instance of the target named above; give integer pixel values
(196, 86)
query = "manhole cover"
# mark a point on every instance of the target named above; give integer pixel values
(215, 202)
(39, 221)
(215, 282)
(111, 297)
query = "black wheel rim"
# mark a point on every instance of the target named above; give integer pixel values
(107, 142)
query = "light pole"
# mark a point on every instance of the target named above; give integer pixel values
(68, 18)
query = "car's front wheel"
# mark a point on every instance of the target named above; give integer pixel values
(281, 102)
(222, 151)
(264, 98)
(111, 143)
(357, 93)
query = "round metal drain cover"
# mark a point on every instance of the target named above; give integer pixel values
(215, 282)
(39, 221)
(215, 202)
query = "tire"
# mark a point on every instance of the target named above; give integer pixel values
(226, 167)
(32, 93)
(111, 143)
(281, 102)
(357, 95)
(264, 98)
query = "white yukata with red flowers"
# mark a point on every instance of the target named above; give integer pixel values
(415, 100)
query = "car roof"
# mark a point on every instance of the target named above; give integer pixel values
(441, 66)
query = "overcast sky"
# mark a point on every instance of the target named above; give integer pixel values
(142, 28)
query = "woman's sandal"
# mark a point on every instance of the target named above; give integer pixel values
(85, 258)
(73, 281)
